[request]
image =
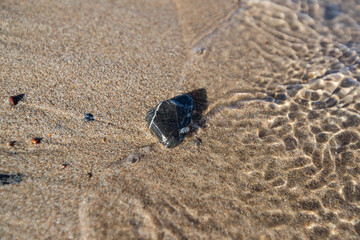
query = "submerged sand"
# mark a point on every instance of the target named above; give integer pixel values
(277, 89)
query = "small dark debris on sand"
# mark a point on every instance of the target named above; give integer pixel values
(35, 141)
(14, 100)
(64, 165)
(10, 178)
(89, 117)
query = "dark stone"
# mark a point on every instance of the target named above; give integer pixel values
(10, 179)
(170, 119)
(89, 117)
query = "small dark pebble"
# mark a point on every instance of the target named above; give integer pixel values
(13, 101)
(10, 178)
(89, 117)
(64, 165)
(35, 141)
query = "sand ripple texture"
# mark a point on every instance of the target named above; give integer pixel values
(280, 151)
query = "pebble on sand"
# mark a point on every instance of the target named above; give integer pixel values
(10, 178)
(170, 119)
(89, 117)
(64, 165)
(13, 100)
(35, 141)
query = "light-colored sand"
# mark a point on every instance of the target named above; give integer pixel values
(279, 153)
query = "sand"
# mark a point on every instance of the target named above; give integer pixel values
(277, 90)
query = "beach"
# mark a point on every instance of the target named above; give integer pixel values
(274, 152)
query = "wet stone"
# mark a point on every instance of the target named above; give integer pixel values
(169, 121)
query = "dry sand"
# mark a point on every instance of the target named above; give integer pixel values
(278, 154)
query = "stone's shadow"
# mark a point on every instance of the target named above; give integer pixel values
(10, 179)
(199, 97)
(19, 97)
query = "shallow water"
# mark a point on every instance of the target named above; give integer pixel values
(286, 130)
(276, 156)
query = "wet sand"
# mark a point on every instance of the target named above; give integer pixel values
(277, 87)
